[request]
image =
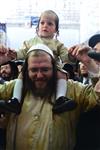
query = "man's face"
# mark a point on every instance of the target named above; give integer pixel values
(83, 69)
(5, 71)
(40, 70)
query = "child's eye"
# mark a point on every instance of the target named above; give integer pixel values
(42, 22)
(49, 23)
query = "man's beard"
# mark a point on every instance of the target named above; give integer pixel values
(47, 91)
(85, 75)
(40, 92)
(6, 78)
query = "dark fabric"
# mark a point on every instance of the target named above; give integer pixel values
(94, 55)
(2, 80)
(2, 139)
(2, 131)
(88, 130)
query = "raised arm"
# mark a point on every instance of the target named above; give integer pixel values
(80, 52)
(6, 54)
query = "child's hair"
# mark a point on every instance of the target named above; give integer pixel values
(47, 13)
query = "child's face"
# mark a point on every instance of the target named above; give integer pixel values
(47, 26)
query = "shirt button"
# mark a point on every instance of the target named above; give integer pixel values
(36, 117)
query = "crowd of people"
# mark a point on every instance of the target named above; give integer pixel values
(51, 98)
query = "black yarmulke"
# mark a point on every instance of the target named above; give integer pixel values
(94, 40)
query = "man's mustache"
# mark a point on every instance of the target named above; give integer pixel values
(39, 79)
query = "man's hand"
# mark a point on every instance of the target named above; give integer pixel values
(80, 52)
(6, 54)
(3, 49)
(12, 54)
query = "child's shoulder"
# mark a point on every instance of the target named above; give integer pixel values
(34, 40)
(57, 42)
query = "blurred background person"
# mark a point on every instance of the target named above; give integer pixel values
(94, 42)
(84, 76)
(88, 129)
(70, 71)
(8, 71)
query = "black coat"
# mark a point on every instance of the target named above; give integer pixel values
(88, 130)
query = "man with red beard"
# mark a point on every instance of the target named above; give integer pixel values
(37, 126)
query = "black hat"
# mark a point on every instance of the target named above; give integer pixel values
(94, 40)
(70, 69)
(94, 55)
